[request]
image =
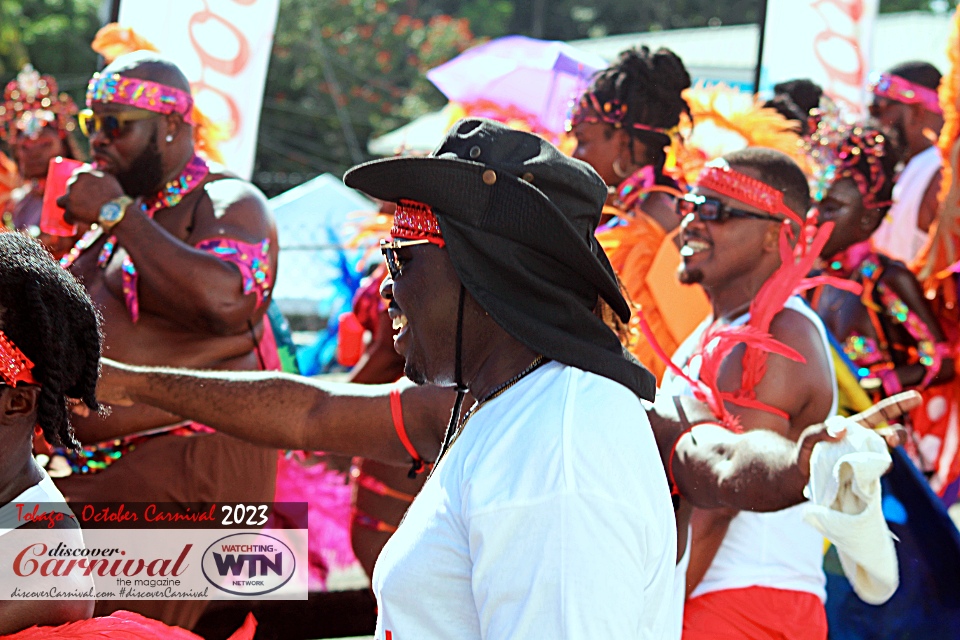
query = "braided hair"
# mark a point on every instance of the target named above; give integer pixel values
(880, 154)
(651, 86)
(49, 316)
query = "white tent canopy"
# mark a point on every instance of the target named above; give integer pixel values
(310, 223)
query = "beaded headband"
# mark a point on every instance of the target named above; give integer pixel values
(416, 221)
(718, 176)
(902, 90)
(589, 109)
(31, 103)
(838, 150)
(142, 94)
(14, 366)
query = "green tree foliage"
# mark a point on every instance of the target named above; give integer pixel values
(343, 71)
(53, 35)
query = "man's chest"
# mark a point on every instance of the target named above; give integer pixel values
(102, 258)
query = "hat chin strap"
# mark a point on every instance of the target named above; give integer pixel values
(458, 380)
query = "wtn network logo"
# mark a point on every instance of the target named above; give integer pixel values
(248, 564)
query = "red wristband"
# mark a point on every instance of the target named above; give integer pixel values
(396, 410)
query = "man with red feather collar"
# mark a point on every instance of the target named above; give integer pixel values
(762, 359)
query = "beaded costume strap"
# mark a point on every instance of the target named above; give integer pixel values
(253, 260)
(613, 112)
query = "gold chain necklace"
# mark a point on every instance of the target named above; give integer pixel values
(538, 362)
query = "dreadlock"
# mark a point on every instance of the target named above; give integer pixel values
(49, 316)
(651, 86)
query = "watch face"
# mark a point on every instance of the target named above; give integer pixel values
(110, 212)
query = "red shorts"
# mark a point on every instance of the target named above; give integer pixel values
(757, 613)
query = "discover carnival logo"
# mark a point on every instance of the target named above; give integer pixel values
(248, 564)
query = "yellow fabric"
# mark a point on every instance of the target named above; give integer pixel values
(852, 398)
(632, 249)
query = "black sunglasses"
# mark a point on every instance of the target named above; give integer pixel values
(112, 125)
(712, 210)
(389, 251)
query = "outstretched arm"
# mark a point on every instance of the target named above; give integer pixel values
(289, 412)
(761, 470)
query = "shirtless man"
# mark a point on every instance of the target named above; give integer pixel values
(181, 265)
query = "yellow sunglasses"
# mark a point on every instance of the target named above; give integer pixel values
(112, 125)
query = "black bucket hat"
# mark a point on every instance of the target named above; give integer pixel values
(518, 218)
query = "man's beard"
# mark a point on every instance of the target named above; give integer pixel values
(900, 131)
(690, 276)
(145, 175)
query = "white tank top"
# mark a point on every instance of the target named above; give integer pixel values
(898, 235)
(777, 550)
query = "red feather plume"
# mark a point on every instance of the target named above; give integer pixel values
(124, 625)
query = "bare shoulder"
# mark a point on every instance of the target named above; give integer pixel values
(798, 386)
(799, 332)
(235, 208)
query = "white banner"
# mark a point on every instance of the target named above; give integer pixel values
(223, 47)
(827, 41)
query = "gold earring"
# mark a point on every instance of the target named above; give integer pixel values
(617, 169)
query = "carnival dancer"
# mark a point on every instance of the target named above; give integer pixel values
(753, 575)
(905, 101)
(49, 353)
(37, 123)
(891, 340)
(625, 124)
(181, 262)
(888, 330)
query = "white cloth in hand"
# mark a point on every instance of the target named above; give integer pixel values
(845, 506)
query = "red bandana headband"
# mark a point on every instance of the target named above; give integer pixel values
(718, 176)
(902, 90)
(14, 366)
(416, 221)
(612, 112)
(142, 94)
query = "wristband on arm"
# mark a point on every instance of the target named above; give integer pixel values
(396, 411)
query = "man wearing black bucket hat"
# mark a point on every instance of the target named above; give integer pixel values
(541, 527)
(549, 515)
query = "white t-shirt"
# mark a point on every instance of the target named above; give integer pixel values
(777, 550)
(550, 517)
